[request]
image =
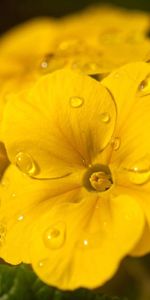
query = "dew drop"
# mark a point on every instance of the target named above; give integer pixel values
(144, 86)
(45, 62)
(105, 117)
(93, 240)
(5, 182)
(76, 101)
(42, 262)
(85, 242)
(90, 165)
(54, 237)
(25, 163)
(20, 218)
(116, 143)
(139, 173)
(90, 67)
(70, 44)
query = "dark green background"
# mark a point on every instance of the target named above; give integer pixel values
(15, 11)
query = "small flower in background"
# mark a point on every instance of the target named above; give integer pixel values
(75, 151)
(95, 41)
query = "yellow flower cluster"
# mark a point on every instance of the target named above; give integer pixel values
(75, 145)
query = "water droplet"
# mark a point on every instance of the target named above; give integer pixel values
(105, 117)
(45, 62)
(42, 262)
(139, 173)
(20, 218)
(54, 237)
(116, 143)
(3, 231)
(71, 46)
(90, 165)
(90, 67)
(85, 242)
(13, 195)
(76, 101)
(5, 182)
(25, 163)
(92, 240)
(144, 86)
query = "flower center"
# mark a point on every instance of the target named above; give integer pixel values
(100, 181)
(98, 178)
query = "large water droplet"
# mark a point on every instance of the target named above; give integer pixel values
(25, 163)
(54, 236)
(76, 101)
(105, 117)
(144, 87)
(115, 143)
(139, 173)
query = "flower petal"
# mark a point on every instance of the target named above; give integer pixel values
(95, 234)
(60, 125)
(23, 201)
(133, 126)
(143, 246)
(22, 39)
(141, 196)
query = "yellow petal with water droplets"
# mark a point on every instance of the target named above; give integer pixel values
(100, 227)
(23, 200)
(133, 126)
(51, 127)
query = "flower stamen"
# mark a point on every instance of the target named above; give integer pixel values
(100, 181)
(98, 178)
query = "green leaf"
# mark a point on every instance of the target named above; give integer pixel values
(21, 283)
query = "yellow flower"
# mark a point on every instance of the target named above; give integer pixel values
(96, 41)
(21, 52)
(101, 39)
(75, 199)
